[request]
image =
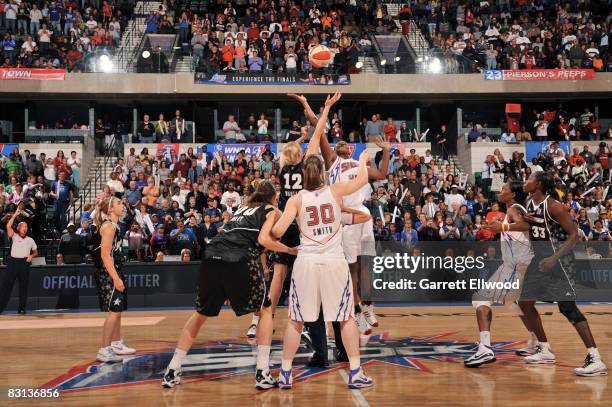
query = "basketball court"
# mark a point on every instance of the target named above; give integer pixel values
(415, 357)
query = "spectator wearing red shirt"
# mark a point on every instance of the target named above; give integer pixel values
(390, 130)
(575, 159)
(495, 215)
(563, 128)
(227, 53)
(181, 166)
(336, 133)
(594, 128)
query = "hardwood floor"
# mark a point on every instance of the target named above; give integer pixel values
(415, 357)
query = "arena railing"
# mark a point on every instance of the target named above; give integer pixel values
(87, 194)
(49, 252)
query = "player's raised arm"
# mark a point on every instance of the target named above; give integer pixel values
(318, 136)
(329, 155)
(289, 214)
(381, 173)
(343, 188)
(265, 237)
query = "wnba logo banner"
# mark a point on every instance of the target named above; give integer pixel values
(533, 148)
(165, 149)
(7, 149)
(232, 150)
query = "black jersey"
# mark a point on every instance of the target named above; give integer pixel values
(544, 228)
(97, 245)
(291, 181)
(239, 235)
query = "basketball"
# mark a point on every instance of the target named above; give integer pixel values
(320, 56)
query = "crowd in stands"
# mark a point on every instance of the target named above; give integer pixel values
(178, 202)
(58, 34)
(582, 181)
(262, 36)
(544, 125)
(500, 34)
(42, 187)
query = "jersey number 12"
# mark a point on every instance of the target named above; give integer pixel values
(293, 181)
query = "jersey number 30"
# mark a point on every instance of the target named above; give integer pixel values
(321, 214)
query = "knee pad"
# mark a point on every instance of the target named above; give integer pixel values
(477, 304)
(571, 312)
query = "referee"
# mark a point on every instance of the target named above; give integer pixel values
(23, 250)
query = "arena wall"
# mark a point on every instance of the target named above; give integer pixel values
(370, 86)
(84, 151)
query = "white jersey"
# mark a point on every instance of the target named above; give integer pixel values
(345, 170)
(320, 223)
(516, 246)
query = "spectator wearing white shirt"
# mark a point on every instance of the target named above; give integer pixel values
(541, 126)
(230, 128)
(44, 38)
(116, 185)
(230, 193)
(454, 197)
(28, 45)
(35, 17)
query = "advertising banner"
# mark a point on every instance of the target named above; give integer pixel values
(533, 148)
(32, 74)
(260, 78)
(539, 75)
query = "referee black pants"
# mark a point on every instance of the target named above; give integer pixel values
(319, 337)
(16, 269)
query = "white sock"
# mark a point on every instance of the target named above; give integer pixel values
(116, 343)
(255, 320)
(177, 359)
(485, 338)
(286, 364)
(354, 363)
(593, 351)
(263, 357)
(533, 339)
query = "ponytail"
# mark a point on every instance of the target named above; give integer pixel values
(313, 173)
(102, 211)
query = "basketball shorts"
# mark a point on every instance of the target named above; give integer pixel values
(240, 282)
(506, 273)
(549, 286)
(358, 240)
(109, 298)
(291, 238)
(320, 281)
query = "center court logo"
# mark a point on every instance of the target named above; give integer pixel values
(222, 360)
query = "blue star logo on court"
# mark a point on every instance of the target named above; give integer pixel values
(225, 359)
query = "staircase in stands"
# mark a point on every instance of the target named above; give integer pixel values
(132, 36)
(415, 37)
